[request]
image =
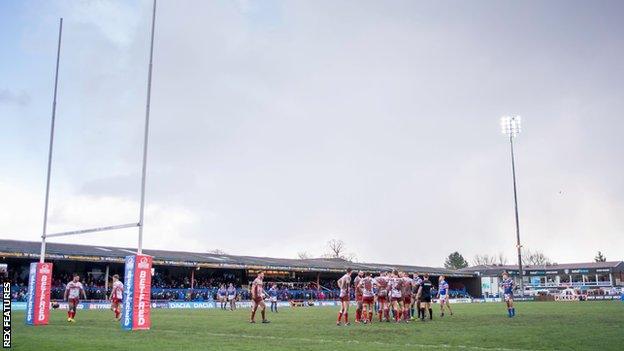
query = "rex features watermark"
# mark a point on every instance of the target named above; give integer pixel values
(6, 315)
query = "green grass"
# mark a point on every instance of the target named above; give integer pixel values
(537, 326)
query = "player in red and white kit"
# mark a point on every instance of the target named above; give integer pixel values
(344, 283)
(257, 298)
(406, 291)
(382, 296)
(73, 290)
(116, 296)
(396, 297)
(358, 296)
(366, 285)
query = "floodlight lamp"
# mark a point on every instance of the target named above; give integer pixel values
(511, 125)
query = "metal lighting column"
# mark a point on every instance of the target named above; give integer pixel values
(513, 171)
(47, 195)
(147, 113)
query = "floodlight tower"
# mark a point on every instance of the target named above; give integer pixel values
(511, 126)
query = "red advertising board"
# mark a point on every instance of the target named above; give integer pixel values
(142, 292)
(38, 299)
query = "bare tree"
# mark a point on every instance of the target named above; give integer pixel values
(337, 249)
(217, 252)
(535, 258)
(303, 255)
(484, 260)
(490, 260)
(501, 259)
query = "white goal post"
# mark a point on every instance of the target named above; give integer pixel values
(137, 275)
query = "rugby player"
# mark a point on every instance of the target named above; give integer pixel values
(375, 303)
(358, 296)
(344, 284)
(443, 295)
(231, 296)
(368, 297)
(416, 281)
(508, 286)
(257, 299)
(396, 298)
(406, 291)
(116, 296)
(273, 297)
(382, 296)
(73, 290)
(424, 294)
(222, 296)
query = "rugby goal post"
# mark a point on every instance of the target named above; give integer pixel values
(137, 273)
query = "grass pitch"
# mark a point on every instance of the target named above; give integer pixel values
(478, 327)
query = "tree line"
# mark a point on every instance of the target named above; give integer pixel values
(336, 248)
(455, 260)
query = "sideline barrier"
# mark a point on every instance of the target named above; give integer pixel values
(100, 305)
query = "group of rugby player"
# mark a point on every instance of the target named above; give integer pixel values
(392, 295)
(227, 296)
(74, 289)
(389, 293)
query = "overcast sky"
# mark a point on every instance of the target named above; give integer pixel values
(278, 125)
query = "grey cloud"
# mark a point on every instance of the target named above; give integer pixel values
(10, 97)
(363, 121)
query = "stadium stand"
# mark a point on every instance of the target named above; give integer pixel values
(591, 278)
(193, 276)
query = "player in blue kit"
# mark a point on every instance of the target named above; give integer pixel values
(508, 286)
(273, 297)
(231, 296)
(222, 296)
(443, 295)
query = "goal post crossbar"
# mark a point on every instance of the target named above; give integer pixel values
(92, 230)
